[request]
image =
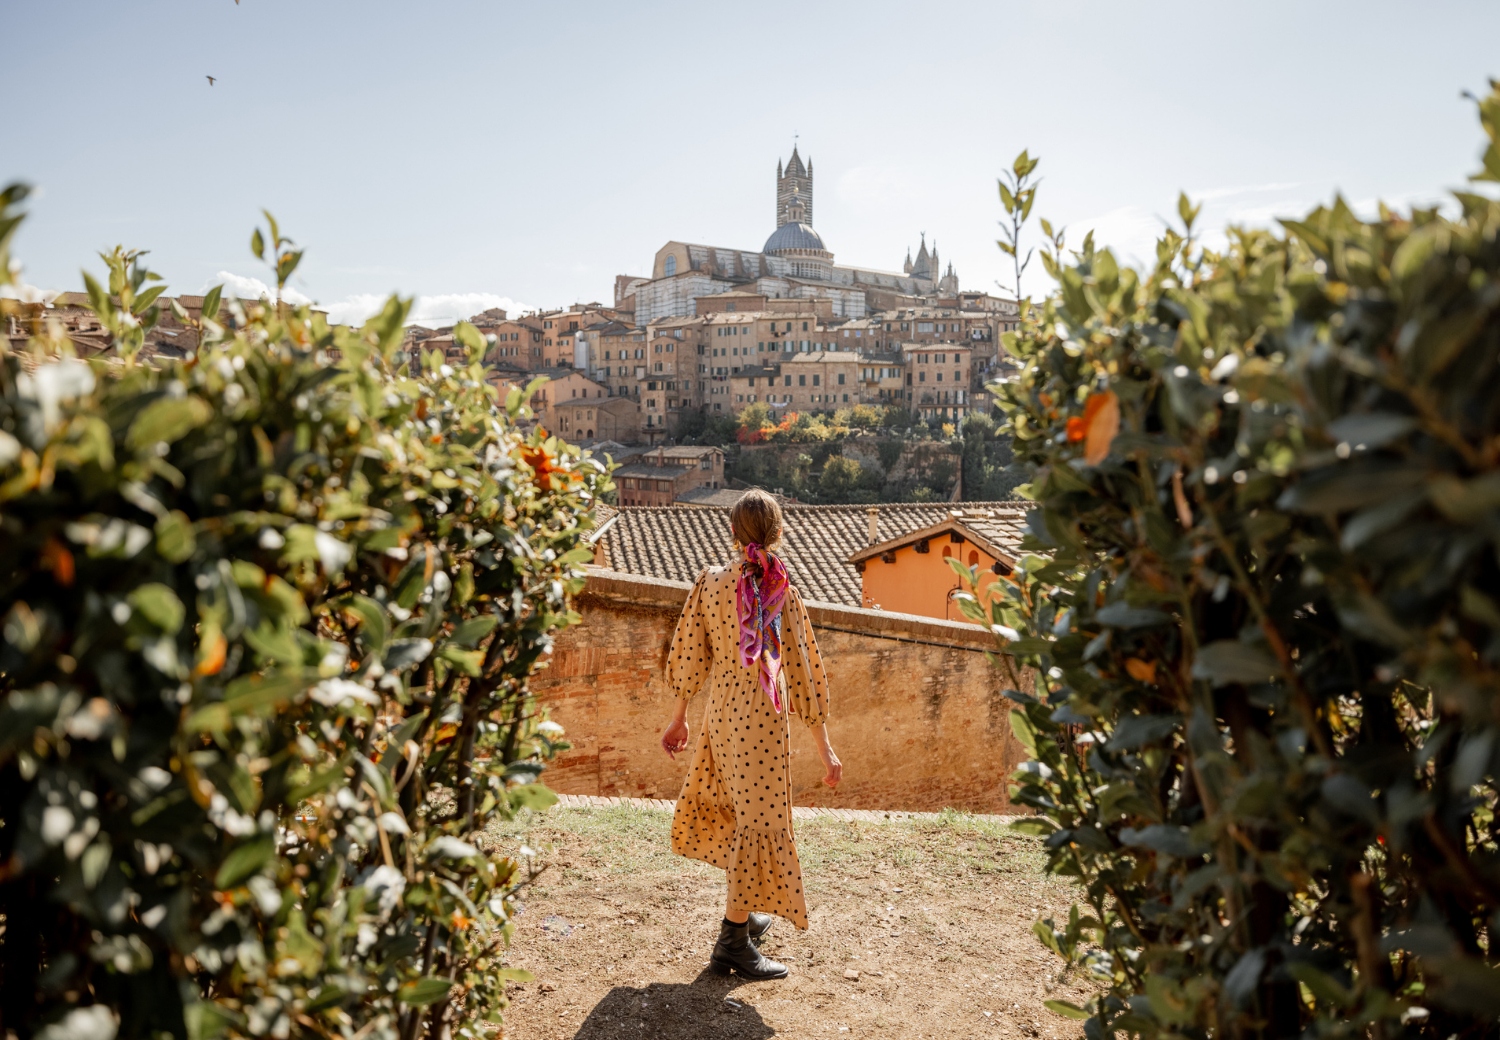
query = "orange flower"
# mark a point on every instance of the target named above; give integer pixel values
(459, 921)
(542, 465)
(57, 559)
(211, 655)
(1076, 430)
(1141, 671)
(1101, 421)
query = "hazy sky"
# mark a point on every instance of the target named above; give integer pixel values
(531, 152)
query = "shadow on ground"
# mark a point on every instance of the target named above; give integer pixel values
(703, 1008)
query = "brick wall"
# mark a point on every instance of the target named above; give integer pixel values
(917, 714)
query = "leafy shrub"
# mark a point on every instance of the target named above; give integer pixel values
(268, 619)
(1266, 623)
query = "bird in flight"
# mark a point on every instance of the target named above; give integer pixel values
(210, 81)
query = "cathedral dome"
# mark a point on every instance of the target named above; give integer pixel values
(794, 236)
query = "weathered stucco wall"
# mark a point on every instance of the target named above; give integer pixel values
(917, 714)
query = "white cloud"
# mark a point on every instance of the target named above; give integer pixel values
(446, 308)
(245, 287)
(432, 311)
(27, 293)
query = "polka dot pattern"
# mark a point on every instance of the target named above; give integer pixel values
(735, 809)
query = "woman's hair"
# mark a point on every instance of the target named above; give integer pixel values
(756, 519)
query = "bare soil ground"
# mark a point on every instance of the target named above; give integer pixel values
(918, 929)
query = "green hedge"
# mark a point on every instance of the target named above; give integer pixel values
(268, 618)
(1264, 613)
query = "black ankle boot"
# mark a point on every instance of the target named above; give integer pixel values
(759, 924)
(734, 951)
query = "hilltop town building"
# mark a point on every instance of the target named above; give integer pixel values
(794, 263)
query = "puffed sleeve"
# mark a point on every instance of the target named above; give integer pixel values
(806, 681)
(691, 654)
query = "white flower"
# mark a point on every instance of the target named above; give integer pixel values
(332, 553)
(335, 693)
(550, 729)
(95, 1022)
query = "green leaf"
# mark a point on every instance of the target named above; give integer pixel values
(1044, 932)
(538, 797)
(396, 744)
(99, 300)
(1164, 838)
(1021, 726)
(207, 1020)
(473, 630)
(470, 338)
(1227, 661)
(1067, 1010)
(166, 420)
(1466, 501)
(1134, 731)
(467, 662)
(245, 861)
(404, 653)
(258, 245)
(286, 264)
(374, 628)
(246, 695)
(1187, 211)
(159, 605)
(1123, 615)
(1036, 826)
(140, 304)
(1371, 429)
(210, 311)
(424, 991)
(175, 539)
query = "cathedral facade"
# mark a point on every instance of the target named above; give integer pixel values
(794, 263)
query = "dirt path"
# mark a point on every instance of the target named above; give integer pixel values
(919, 929)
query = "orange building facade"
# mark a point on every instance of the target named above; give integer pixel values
(912, 574)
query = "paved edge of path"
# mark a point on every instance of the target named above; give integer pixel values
(799, 812)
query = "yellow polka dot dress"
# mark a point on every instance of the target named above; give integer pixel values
(735, 810)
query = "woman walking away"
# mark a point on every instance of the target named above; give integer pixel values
(745, 632)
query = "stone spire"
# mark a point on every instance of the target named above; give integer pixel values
(794, 179)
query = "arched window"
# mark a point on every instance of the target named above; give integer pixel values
(670, 267)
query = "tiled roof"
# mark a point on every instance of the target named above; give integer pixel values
(677, 542)
(680, 451)
(707, 496)
(997, 530)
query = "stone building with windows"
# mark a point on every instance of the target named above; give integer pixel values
(937, 380)
(660, 477)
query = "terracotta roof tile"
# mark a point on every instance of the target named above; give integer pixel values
(677, 542)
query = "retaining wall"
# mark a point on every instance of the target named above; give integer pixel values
(917, 716)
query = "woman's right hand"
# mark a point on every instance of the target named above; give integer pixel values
(831, 763)
(675, 738)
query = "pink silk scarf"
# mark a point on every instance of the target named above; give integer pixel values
(759, 595)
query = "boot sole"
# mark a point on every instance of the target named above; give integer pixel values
(721, 968)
